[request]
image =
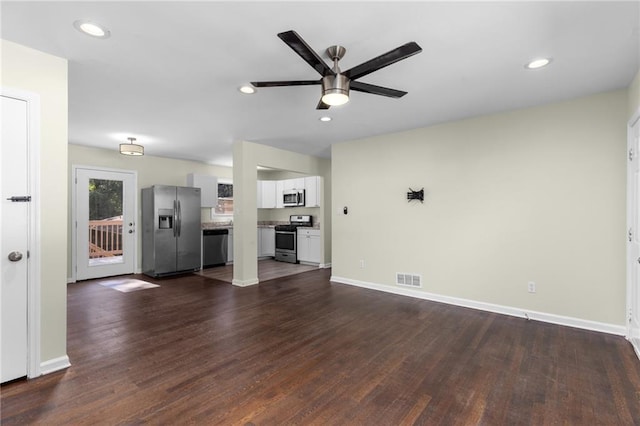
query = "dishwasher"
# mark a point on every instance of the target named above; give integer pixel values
(214, 247)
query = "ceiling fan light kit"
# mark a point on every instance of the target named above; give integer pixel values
(131, 148)
(335, 90)
(335, 83)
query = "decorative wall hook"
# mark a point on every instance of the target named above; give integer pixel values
(415, 195)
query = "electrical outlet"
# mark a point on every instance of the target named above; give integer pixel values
(361, 264)
(531, 286)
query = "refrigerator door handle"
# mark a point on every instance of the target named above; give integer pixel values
(175, 218)
(179, 218)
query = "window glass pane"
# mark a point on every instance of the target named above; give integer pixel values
(105, 221)
(225, 199)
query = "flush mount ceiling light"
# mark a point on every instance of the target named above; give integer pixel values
(247, 89)
(92, 29)
(538, 63)
(325, 118)
(131, 148)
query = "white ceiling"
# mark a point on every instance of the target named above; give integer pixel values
(170, 71)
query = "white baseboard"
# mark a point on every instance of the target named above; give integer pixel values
(54, 364)
(70, 280)
(489, 307)
(325, 265)
(244, 283)
(635, 342)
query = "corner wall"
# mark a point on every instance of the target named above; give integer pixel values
(528, 195)
(247, 157)
(46, 75)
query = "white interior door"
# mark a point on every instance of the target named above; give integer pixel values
(633, 270)
(105, 222)
(15, 238)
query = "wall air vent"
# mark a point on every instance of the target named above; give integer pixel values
(408, 280)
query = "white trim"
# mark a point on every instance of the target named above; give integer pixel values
(325, 265)
(490, 307)
(244, 283)
(635, 343)
(72, 224)
(55, 364)
(35, 259)
(628, 315)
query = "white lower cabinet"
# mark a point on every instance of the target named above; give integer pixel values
(309, 245)
(266, 242)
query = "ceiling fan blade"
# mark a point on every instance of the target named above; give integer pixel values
(299, 46)
(322, 105)
(383, 60)
(376, 90)
(285, 83)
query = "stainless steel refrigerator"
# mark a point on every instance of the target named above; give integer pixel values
(171, 239)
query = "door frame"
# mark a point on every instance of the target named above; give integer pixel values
(633, 208)
(74, 215)
(33, 257)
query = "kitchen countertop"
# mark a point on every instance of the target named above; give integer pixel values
(261, 224)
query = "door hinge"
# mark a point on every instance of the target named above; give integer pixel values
(630, 234)
(631, 154)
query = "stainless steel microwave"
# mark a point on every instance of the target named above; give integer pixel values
(293, 198)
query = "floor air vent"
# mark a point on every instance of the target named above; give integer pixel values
(409, 280)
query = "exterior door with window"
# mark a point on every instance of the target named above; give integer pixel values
(105, 222)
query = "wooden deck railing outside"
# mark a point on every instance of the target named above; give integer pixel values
(105, 238)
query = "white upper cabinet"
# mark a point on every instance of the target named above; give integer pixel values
(279, 190)
(208, 186)
(312, 191)
(267, 194)
(270, 191)
(293, 184)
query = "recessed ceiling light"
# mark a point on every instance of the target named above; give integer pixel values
(538, 63)
(247, 90)
(92, 29)
(325, 118)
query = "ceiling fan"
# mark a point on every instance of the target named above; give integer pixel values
(335, 83)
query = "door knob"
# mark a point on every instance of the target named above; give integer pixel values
(15, 256)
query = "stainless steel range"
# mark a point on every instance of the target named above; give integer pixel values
(286, 238)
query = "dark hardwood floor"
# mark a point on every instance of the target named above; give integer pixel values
(268, 269)
(301, 350)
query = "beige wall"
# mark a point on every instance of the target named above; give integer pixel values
(46, 75)
(634, 96)
(529, 195)
(151, 171)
